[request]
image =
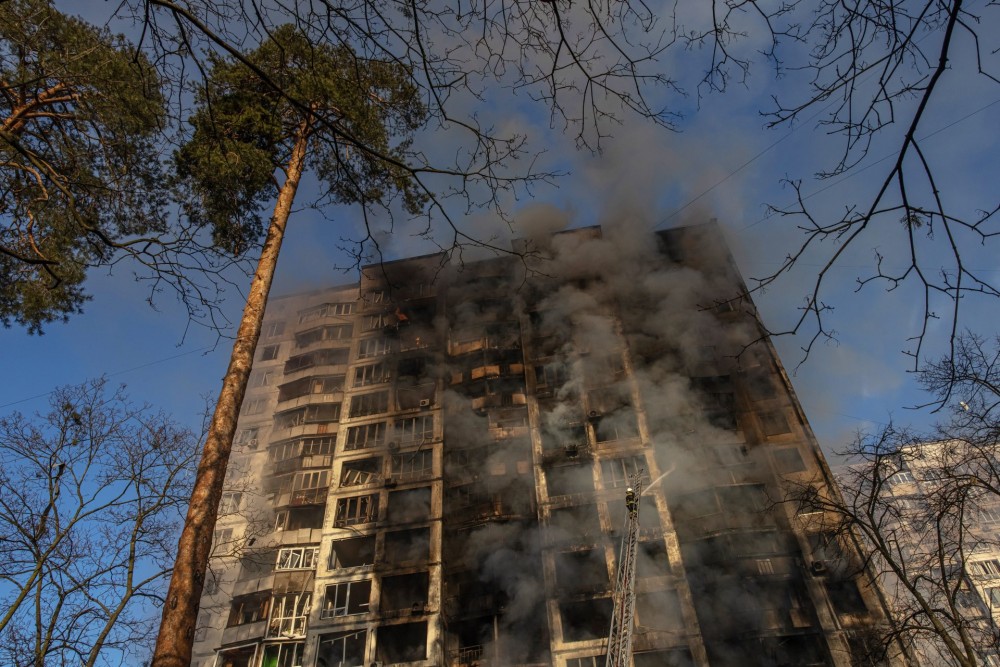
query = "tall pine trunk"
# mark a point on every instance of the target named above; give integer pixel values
(180, 611)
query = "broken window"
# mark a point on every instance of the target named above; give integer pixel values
(619, 472)
(404, 592)
(585, 620)
(576, 522)
(774, 422)
(549, 378)
(402, 643)
(353, 552)
(262, 378)
(568, 439)
(347, 599)
(403, 547)
(369, 404)
(367, 435)
(289, 613)
(361, 471)
(846, 597)
(373, 296)
(589, 661)
(410, 505)
(414, 465)
(297, 558)
(582, 571)
(569, 479)
(285, 654)
(356, 510)
(249, 608)
(342, 649)
(414, 368)
(269, 353)
(619, 425)
(370, 374)
(414, 429)
(652, 559)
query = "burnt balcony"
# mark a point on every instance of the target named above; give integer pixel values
(482, 404)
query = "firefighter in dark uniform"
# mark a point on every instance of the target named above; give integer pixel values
(631, 502)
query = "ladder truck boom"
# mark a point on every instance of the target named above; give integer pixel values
(623, 612)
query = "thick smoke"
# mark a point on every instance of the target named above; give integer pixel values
(597, 304)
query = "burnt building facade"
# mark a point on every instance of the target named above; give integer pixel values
(430, 471)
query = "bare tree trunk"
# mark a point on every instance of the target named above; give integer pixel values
(180, 611)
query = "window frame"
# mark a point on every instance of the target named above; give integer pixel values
(356, 510)
(340, 611)
(306, 556)
(374, 436)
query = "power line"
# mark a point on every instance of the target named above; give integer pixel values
(763, 152)
(855, 172)
(116, 373)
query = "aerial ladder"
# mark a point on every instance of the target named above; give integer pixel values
(623, 612)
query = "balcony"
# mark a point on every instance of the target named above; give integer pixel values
(244, 632)
(466, 656)
(300, 463)
(309, 399)
(483, 403)
(302, 497)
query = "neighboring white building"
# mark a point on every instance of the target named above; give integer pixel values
(947, 551)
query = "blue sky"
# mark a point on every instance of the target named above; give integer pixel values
(859, 381)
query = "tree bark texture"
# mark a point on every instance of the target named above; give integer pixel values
(180, 610)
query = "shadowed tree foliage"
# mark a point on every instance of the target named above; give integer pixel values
(243, 137)
(79, 182)
(91, 495)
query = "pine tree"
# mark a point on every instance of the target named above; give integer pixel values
(348, 120)
(79, 186)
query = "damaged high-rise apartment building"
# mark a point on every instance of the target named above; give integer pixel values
(430, 470)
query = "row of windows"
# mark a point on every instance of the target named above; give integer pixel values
(406, 431)
(325, 310)
(402, 467)
(368, 348)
